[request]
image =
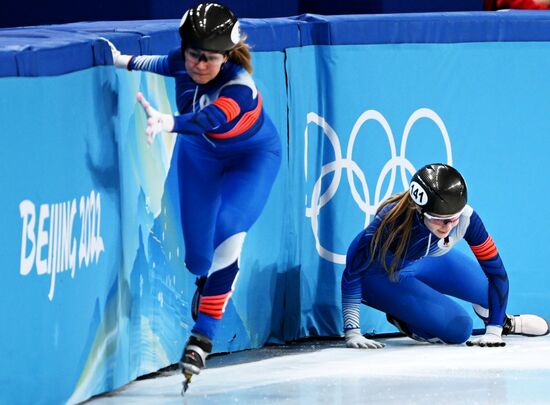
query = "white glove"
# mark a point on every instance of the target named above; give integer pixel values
(355, 339)
(119, 60)
(157, 122)
(491, 338)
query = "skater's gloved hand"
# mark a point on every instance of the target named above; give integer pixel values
(119, 60)
(491, 338)
(355, 339)
(157, 122)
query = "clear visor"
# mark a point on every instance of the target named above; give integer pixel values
(197, 55)
(442, 219)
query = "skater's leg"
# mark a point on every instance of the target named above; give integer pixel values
(428, 314)
(214, 298)
(246, 184)
(461, 276)
(244, 188)
(200, 180)
(455, 274)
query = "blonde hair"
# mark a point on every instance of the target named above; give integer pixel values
(240, 55)
(394, 230)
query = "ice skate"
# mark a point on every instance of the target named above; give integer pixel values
(404, 329)
(193, 359)
(401, 326)
(526, 325)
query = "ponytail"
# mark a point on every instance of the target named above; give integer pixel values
(394, 231)
(240, 55)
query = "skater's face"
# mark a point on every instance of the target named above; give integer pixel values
(203, 66)
(441, 226)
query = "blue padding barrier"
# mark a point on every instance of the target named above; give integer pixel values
(8, 62)
(59, 49)
(273, 34)
(135, 37)
(46, 51)
(428, 28)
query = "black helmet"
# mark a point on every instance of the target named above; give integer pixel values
(439, 188)
(209, 26)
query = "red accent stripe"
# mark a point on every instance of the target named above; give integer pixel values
(214, 305)
(229, 107)
(247, 120)
(487, 250)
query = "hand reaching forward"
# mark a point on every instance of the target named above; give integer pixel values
(119, 60)
(491, 338)
(356, 340)
(157, 122)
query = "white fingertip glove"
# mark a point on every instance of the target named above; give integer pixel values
(491, 338)
(119, 60)
(157, 122)
(356, 340)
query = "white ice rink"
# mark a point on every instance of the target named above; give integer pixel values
(404, 372)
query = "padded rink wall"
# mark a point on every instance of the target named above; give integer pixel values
(94, 287)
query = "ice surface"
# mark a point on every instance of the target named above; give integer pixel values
(325, 372)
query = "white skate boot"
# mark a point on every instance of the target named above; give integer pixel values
(526, 325)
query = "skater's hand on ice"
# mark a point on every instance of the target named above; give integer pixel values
(491, 338)
(157, 122)
(356, 340)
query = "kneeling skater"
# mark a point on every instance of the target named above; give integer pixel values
(403, 264)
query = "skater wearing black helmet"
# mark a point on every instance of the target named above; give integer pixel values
(229, 154)
(403, 264)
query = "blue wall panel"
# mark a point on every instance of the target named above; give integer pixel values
(61, 245)
(357, 140)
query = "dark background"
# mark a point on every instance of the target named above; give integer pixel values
(23, 13)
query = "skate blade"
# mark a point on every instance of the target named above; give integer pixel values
(185, 384)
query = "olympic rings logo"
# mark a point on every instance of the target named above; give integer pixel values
(363, 200)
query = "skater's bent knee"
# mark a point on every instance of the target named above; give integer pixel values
(458, 330)
(198, 267)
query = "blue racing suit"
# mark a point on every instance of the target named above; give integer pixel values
(229, 153)
(427, 275)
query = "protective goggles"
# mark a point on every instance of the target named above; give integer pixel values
(453, 219)
(197, 56)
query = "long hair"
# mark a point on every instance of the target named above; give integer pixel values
(240, 55)
(394, 231)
